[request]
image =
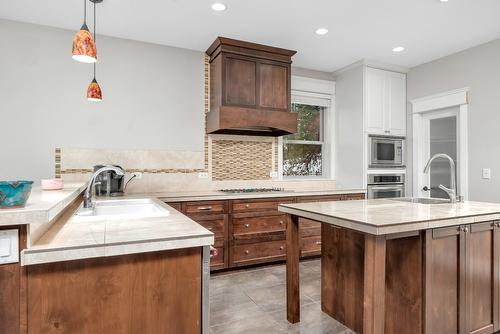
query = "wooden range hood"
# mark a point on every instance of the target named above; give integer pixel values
(250, 89)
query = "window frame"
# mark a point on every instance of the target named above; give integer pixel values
(321, 142)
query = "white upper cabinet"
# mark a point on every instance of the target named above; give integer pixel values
(385, 102)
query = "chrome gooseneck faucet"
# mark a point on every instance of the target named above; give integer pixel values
(452, 191)
(87, 198)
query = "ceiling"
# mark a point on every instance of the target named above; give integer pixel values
(358, 29)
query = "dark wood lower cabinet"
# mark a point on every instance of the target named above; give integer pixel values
(251, 231)
(156, 292)
(462, 279)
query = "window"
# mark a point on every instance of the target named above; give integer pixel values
(303, 152)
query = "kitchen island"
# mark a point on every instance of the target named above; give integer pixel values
(397, 266)
(109, 272)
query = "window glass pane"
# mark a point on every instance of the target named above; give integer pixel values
(309, 119)
(302, 160)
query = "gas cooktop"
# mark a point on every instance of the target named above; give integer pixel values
(251, 190)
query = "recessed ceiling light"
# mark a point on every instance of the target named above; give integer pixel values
(321, 31)
(219, 7)
(398, 49)
(443, 0)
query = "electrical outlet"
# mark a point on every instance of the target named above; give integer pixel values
(203, 175)
(136, 175)
(486, 173)
(273, 174)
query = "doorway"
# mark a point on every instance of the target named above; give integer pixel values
(440, 126)
(440, 137)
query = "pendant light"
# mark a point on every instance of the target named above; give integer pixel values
(84, 49)
(94, 92)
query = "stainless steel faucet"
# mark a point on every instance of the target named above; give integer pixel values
(452, 191)
(87, 197)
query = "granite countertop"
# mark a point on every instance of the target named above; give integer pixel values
(88, 237)
(42, 206)
(386, 216)
(185, 196)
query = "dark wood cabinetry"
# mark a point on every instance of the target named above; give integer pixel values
(250, 89)
(462, 277)
(252, 231)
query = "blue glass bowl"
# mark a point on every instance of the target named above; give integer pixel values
(14, 194)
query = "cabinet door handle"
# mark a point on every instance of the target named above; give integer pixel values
(281, 248)
(281, 222)
(247, 206)
(465, 229)
(204, 208)
(247, 252)
(247, 225)
(318, 242)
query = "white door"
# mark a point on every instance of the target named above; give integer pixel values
(375, 96)
(396, 103)
(439, 135)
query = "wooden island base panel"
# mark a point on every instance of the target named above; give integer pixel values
(442, 280)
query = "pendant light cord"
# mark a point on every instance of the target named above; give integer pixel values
(95, 42)
(85, 11)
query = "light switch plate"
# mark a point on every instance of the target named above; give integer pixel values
(273, 174)
(203, 175)
(9, 246)
(486, 173)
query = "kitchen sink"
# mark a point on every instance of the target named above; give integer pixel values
(422, 200)
(124, 208)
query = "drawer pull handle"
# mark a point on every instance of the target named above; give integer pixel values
(281, 248)
(204, 208)
(247, 252)
(318, 242)
(247, 225)
(281, 222)
(247, 206)
(466, 229)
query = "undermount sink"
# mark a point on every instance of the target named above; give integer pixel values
(422, 200)
(124, 208)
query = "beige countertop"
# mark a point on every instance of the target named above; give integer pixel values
(88, 237)
(42, 206)
(219, 195)
(387, 216)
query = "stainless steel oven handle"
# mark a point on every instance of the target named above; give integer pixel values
(388, 188)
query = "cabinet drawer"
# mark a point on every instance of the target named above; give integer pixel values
(348, 197)
(205, 207)
(217, 262)
(310, 245)
(309, 232)
(262, 224)
(325, 198)
(259, 252)
(252, 205)
(176, 205)
(213, 223)
(308, 223)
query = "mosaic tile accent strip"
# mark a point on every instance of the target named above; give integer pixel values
(241, 160)
(207, 105)
(58, 163)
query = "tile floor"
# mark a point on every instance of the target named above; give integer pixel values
(253, 301)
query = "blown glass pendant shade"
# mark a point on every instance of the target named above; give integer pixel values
(94, 92)
(84, 49)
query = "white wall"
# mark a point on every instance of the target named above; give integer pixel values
(153, 98)
(479, 69)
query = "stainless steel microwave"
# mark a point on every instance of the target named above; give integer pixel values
(385, 151)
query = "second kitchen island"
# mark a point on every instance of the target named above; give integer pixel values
(397, 266)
